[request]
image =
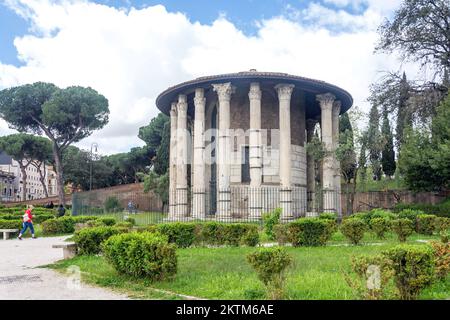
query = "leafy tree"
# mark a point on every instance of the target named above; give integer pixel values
(346, 150)
(161, 162)
(425, 158)
(419, 31)
(374, 142)
(152, 133)
(159, 184)
(76, 165)
(23, 148)
(388, 153)
(156, 135)
(65, 116)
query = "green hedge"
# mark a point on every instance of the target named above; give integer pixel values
(180, 233)
(10, 224)
(142, 254)
(185, 234)
(89, 240)
(413, 268)
(353, 229)
(309, 231)
(403, 228)
(64, 224)
(425, 224)
(440, 210)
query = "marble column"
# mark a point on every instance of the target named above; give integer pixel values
(173, 161)
(223, 158)
(337, 165)
(255, 151)
(284, 98)
(182, 157)
(310, 169)
(326, 105)
(199, 188)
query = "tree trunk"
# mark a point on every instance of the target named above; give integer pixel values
(42, 178)
(24, 181)
(59, 173)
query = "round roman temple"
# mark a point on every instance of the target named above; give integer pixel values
(238, 145)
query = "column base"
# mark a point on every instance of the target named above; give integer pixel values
(224, 204)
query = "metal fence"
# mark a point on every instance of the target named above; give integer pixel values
(234, 204)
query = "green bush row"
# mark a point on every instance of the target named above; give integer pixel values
(209, 233)
(440, 210)
(64, 224)
(10, 224)
(305, 232)
(142, 254)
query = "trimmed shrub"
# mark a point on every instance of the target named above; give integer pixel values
(332, 220)
(425, 224)
(142, 254)
(270, 265)
(124, 224)
(440, 210)
(309, 232)
(107, 221)
(10, 224)
(65, 224)
(441, 258)
(413, 268)
(251, 236)
(281, 232)
(410, 214)
(233, 234)
(380, 226)
(89, 240)
(441, 225)
(403, 228)
(42, 217)
(353, 229)
(374, 273)
(180, 233)
(270, 220)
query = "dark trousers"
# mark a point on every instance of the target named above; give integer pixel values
(27, 225)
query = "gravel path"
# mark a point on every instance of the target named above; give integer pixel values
(21, 279)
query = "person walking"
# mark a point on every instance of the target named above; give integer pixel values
(61, 210)
(27, 222)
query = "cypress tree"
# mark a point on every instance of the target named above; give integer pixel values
(374, 142)
(388, 153)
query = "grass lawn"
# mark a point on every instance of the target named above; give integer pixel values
(223, 273)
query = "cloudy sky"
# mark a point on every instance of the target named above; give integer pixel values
(130, 51)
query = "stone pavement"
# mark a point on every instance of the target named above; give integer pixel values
(21, 279)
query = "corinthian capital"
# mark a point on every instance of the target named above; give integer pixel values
(284, 91)
(224, 90)
(326, 100)
(182, 104)
(199, 98)
(255, 91)
(336, 107)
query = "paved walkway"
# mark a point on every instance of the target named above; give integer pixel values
(20, 279)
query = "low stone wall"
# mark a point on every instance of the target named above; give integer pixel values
(133, 192)
(388, 199)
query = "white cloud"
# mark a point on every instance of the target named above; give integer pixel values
(131, 56)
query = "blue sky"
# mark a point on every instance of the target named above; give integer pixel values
(243, 13)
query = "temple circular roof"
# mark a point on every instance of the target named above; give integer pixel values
(164, 100)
